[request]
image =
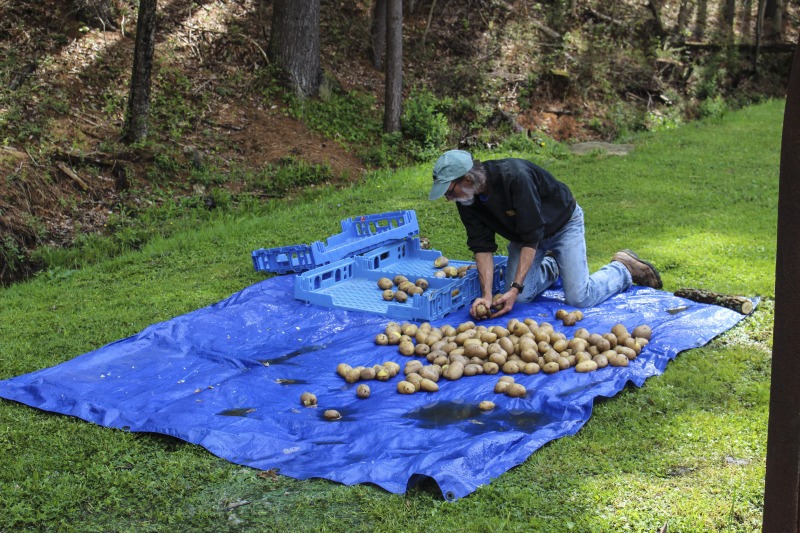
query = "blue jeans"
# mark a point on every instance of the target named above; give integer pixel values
(568, 249)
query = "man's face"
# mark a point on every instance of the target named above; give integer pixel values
(461, 191)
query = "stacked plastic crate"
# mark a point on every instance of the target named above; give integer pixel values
(342, 273)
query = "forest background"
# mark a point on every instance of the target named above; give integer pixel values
(226, 129)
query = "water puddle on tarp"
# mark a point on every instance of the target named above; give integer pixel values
(445, 414)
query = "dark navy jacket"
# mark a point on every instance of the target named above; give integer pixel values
(524, 203)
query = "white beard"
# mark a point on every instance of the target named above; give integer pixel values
(468, 197)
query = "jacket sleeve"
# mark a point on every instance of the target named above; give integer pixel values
(480, 237)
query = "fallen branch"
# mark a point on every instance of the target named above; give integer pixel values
(71, 174)
(739, 304)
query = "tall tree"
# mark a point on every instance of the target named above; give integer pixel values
(138, 111)
(393, 106)
(294, 44)
(700, 20)
(727, 18)
(377, 34)
(773, 20)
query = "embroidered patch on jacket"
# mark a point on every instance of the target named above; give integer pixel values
(511, 213)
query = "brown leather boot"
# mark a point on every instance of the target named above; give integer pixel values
(642, 272)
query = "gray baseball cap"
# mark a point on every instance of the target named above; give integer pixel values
(450, 166)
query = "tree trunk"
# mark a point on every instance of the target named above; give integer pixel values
(759, 33)
(138, 111)
(747, 17)
(655, 9)
(394, 66)
(294, 44)
(700, 20)
(377, 34)
(727, 18)
(682, 22)
(773, 20)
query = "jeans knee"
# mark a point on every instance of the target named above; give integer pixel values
(580, 300)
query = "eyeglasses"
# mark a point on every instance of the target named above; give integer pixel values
(451, 189)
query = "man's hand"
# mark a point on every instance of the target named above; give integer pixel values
(474, 312)
(505, 303)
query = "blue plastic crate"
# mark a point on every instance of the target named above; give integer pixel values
(352, 283)
(359, 234)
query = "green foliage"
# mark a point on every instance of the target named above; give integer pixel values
(351, 118)
(175, 108)
(424, 124)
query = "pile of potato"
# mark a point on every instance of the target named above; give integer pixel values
(523, 346)
(400, 288)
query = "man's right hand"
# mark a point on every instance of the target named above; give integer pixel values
(473, 311)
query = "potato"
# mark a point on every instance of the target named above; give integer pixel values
(428, 385)
(619, 329)
(412, 366)
(392, 367)
(406, 348)
(422, 283)
(406, 387)
(516, 390)
(332, 414)
(342, 369)
(454, 371)
(362, 391)
(429, 372)
(490, 368)
(421, 350)
(385, 283)
(627, 352)
(486, 405)
(601, 360)
(398, 279)
(551, 367)
(531, 368)
(569, 320)
(368, 373)
(501, 386)
(617, 360)
(440, 262)
(586, 366)
(510, 367)
(561, 313)
(308, 399)
(643, 332)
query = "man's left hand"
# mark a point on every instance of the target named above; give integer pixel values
(505, 303)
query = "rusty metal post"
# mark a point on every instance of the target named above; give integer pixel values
(781, 509)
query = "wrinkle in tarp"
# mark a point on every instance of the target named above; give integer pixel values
(228, 377)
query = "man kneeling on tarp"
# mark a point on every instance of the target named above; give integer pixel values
(525, 204)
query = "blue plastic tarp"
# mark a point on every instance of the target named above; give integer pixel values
(228, 377)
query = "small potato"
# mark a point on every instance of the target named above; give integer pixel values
(501, 386)
(561, 313)
(392, 367)
(353, 375)
(627, 352)
(332, 414)
(516, 390)
(412, 367)
(612, 340)
(642, 331)
(406, 387)
(381, 339)
(368, 373)
(406, 348)
(385, 283)
(551, 367)
(617, 360)
(428, 385)
(601, 360)
(586, 366)
(581, 333)
(473, 369)
(421, 350)
(569, 320)
(342, 369)
(490, 368)
(398, 279)
(511, 367)
(382, 375)
(531, 368)
(486, 405)
(362, 391)
(429, 372)
(619, 329)
(308, 399)
(454, 371)
(481, 312)
(401, 297)
(440, 262)
(422, 283)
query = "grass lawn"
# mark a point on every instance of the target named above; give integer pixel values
(688, 448)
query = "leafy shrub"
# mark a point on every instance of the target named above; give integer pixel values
(424, 125)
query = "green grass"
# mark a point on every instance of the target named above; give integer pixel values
(687, 448)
